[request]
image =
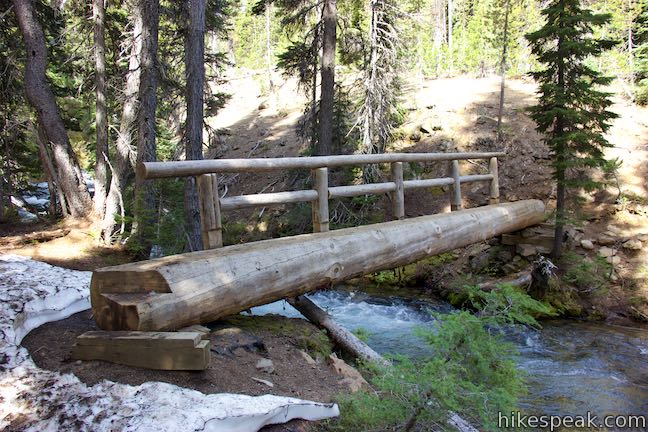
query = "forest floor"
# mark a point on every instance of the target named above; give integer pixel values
(456, 114)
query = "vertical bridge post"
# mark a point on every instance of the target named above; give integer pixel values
(456, 189)
(494, 185)
(210, 212)
(320, 208)
(398, 196)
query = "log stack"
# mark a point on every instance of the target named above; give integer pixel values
(200, 287)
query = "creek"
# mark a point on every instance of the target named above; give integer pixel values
(571, 367)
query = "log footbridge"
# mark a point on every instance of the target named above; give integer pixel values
(173, 292)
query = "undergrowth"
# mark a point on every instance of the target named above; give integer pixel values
(472, 372)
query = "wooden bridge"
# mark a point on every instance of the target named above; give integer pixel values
(172, 292)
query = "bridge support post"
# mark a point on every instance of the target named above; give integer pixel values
(398, 196)
(320, 208)
(494, 185)
(456, 189)
(210, 214)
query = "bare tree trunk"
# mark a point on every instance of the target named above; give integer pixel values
(2, 199)
(503, 70)
(269, 55)
(327, 99)
(146, 139)
(40, 96)
(124, 157)
(50, 172)
(313, 119)
(450, 18)
(101, 112)
(195, 73)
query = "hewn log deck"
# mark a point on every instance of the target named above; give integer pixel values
(200, 287)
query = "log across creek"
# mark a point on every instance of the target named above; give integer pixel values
(199, 287)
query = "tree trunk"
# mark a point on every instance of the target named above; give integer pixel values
(503, 71)
(101, 111)
(268, 29)
(176, 291)
(340, 335)
(559, 131)
(48, 167)
(2, 199)
(450, 18)
(327, 99)
(195, 73)
(146, 142)
(124, 157)
(42, 99)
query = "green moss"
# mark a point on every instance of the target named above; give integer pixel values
(303, 335)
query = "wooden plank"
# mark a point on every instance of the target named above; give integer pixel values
(428, 183)
(476, 178)
(210, 213)
(321, 205)
(150, 170)
(398, 196)
(457, 203)
(142, 339)
(267, 199)
(363, 189)
(170, 351)
(207, 285)
(494, 186)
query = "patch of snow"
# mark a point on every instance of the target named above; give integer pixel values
(32, 293)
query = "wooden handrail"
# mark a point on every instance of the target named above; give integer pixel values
(151, 170)
(211, 204)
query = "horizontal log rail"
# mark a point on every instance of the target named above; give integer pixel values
(152, 170)
(211, 204)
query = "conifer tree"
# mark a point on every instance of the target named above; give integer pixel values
(641, 55)
(572, 112)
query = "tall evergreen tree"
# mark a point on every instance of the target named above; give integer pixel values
(572, 112)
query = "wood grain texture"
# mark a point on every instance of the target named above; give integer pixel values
(177, 291)
(151, 350)
(152, 170)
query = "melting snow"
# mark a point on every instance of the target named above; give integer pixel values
(33, 293)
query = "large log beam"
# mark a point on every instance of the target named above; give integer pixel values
(177, 291)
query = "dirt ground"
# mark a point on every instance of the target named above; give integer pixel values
(236, 347)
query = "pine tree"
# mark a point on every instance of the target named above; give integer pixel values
(572, 112)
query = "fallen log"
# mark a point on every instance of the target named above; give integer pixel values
(520, 280)
(35, 237)
(177, 291)
(341, 336)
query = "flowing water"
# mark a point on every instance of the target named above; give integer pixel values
(571, 367)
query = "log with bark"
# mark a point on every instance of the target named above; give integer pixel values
(176, 291)
(341, 336)
(35, 237)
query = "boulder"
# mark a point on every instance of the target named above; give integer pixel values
(605, 240)
(265, 365)
(606, 252)
(634, 245)
(350, 375)
(587, 244)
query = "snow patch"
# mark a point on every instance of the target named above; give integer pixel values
(33, 293)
